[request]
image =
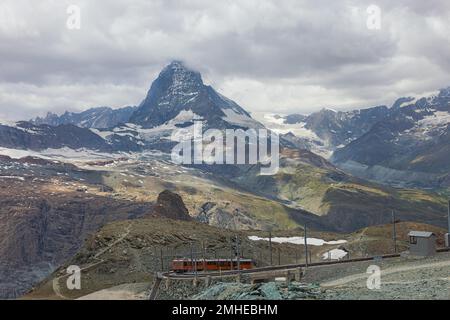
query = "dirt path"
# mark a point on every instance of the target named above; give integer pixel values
(56, 281)
(131, 291)
(364, 276)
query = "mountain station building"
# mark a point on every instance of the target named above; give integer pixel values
(422, 243)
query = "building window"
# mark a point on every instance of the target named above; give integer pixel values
(412, 240)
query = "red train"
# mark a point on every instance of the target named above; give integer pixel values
(187, 265)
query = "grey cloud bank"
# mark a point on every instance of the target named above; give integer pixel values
(292, 56)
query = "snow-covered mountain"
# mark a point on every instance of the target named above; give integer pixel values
(176, 98)
(98, 118)
(326, 130)
(179, 91)
(412, 145)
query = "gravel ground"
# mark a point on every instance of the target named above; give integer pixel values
(403, 278)
(260, 291)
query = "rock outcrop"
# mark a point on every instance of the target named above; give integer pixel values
(171, 205)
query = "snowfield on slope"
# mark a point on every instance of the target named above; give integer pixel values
(298, 240)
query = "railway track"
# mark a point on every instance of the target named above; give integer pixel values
(172, 275)
(192, 276)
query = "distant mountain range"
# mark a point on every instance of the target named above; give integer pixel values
(406, 144)
(326, 130)
(411, 146)
(97, 118)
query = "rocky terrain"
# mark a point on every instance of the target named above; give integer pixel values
(308, 182)
(132, 251)
(122, 257)
(261, 291)
(401, 279)
(45, 217)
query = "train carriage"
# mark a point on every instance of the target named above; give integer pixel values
(187, 265)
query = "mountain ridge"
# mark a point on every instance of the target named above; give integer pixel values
(97, 118)
(414, 138)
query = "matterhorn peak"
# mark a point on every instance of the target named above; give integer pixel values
(177, 65)
(179, 90)
(176, 74)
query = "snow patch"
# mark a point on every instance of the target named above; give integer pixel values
(233, 117)
(335, 254)
(162, 132)
(299, 240)
(13, 178)
(436, 119)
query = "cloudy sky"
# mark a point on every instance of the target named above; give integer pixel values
(282, 55)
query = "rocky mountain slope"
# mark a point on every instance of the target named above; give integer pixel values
(45, 217)
(327, 130)
(25, 135)
(138, 255)
(308, 182)
(131, 258)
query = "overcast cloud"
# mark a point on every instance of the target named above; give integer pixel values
(289, 56)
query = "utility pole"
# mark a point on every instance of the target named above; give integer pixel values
(195, 263)
(162, 259)
(205, 254)
(238, 254)
(192, 257)
(231, 254)
(394, 231)
(279, 256)
(447, 236)
(270, 247)
(448, 213)
(306, 246)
